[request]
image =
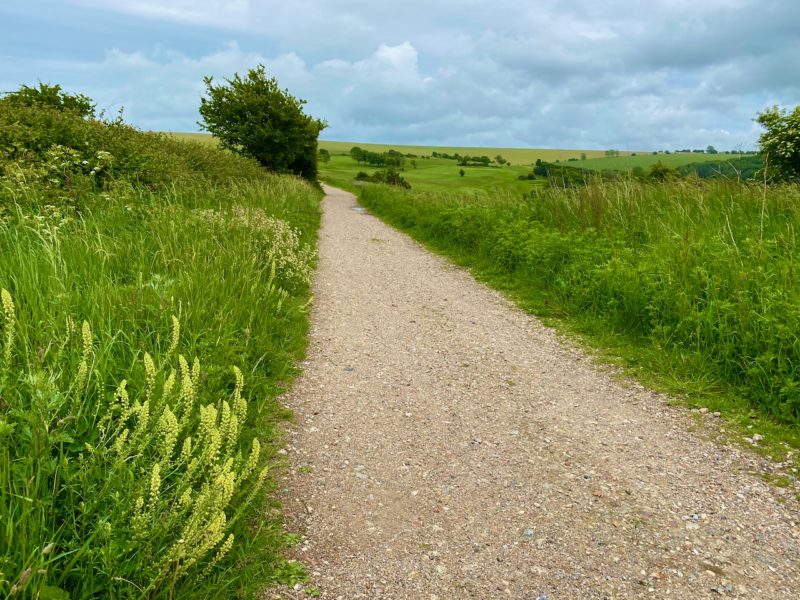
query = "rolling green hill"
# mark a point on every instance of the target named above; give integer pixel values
(433, 174)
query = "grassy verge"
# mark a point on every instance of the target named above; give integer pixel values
(154, 306)
(692, 286)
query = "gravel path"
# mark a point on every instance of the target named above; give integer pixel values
(449, 446)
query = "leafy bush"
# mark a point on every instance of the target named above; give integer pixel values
(780, 142)
(52, 96)
(252, 116)
(389, 176)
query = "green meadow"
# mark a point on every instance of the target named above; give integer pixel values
(433, 174)
(439, 174)
(154, 300)
(517, 156)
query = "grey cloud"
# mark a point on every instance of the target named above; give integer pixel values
(625, 74)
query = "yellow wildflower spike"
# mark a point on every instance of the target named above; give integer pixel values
(186, 451)
(86, 333)
(168, 426)
(196, 372)
(168, 385)
(176, 335)
(149, 375)
(83, 369)
(155, 484)
(10, 322)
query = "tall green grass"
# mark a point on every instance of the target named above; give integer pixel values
(154, 306)
(696, 280)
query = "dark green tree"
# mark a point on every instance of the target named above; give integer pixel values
(324, 155)
(254, 117)
(780, 142)
(461, 172)
(660, 172)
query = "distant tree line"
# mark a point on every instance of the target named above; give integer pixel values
(562, 175)
(471, 161)
(390, 158)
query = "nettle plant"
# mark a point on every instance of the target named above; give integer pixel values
(115, 494)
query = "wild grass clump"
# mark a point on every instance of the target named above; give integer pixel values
(699, 278)
(150, 316)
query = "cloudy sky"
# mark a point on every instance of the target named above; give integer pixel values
(626, 74)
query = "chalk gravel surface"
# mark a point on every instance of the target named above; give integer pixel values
(448, 445)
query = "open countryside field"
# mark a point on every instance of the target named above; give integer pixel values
(437, 174)
(523, 156)
(434, 174)
(516, 156)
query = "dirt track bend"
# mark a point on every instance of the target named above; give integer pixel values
(449, 446)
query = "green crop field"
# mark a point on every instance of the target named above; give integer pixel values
(437, 174)
(517, 156)
(433, 174)
(204, 138)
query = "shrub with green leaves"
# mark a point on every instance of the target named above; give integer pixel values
(780, 142)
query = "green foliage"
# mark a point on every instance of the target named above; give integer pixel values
(780, 142)
(51, 96)
(660, 172)
(739, 169)
(324, 155)
(388, 176)
(628, 163)
(65, 156)
(252, 116)
(699, 277)
(390, 158)
(476, 161)
(105, 232)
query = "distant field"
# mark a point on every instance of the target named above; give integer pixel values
(441, 174)
(204, 138)
(514, 155)
(433, 174)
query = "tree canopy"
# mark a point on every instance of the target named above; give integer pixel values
(52, 96)
(780, 142)
(254, 117)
